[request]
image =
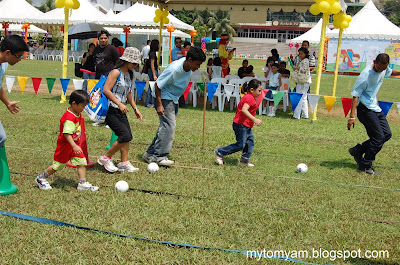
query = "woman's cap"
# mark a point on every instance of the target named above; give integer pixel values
(132, 55)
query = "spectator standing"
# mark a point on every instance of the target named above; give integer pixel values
(89, 64)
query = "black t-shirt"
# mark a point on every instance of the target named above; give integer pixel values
(284, 72)
(152, 55)
(242, 71)
(90, 62)
(106, 59)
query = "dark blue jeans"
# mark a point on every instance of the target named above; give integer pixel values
(149, 101)
(244, 143)
(378, 130)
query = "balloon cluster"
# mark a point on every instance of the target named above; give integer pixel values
(6, 25)
(26, 26)
(74, 4)
(171, 28)
(161, 15)
(326, 7)
(193, 33)
(341, 20)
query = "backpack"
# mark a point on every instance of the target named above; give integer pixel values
(97, 107)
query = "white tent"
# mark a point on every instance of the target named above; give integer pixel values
(176, 33)
(140, 15)
(17, 11)
(313, 35)
(369, 23)
(16, 28)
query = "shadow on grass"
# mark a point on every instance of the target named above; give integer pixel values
(362, 261)
(63, 183)
(55, 98)
(343, 163)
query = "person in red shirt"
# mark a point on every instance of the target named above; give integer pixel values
(69, 147)
(242, 123)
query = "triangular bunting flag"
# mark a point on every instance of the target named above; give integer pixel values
(64, 84)
(346, 103)
(200, 85)
(398, 107)
(211, 88)
(91, 83)
(294, 99)
(140, 88)
(313, 100)
(329, 101)
(277, 96)
(10, 82)
(261, 96)
(146, 87)
(385, 106)
(228, 90)
(186, 93)
(22, 82)
(151, 84)
(50, 83)
(36, 83)
(78, 83)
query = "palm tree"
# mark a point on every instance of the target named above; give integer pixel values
(220, 22)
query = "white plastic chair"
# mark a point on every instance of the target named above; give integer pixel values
(137, 76)
(192, 94)
(235, 97)
(248, 78)
(230, 77)
(219, 93)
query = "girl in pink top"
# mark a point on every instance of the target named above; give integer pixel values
(242, 123)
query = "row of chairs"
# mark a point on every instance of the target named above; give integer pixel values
(56, 55)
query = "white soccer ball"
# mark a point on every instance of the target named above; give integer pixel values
(302, 168)
(152, 168)
(121, 186)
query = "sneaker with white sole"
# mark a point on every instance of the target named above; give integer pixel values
(42, 183)
(87, 186)
(107, 163)
(219, 159)
(165, 162)
(146, 158)
(126, 166)
(245, 164)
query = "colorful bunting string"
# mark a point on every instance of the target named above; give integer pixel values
(140, 87)
(50, 83)
(64, 84)
(36, 83)
(313, 100)
(261, 97)
(277, 96)
(346, 103)
(78, 83)
(22, 82)
(187, 90)
(329, 101)
(295, 99)
(10, 82)
(385, 106)
(211, 88)
(91, 83)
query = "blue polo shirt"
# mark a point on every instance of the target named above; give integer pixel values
(173, 81)
(3, 69)
(174, 54)
(367, 86)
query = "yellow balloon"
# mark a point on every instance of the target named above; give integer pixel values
(344, 24)
(348, 18)
(165, 20)
(314, 9)
(76, 4)
(59, 3)
(156, 19)
(69, 3)
(165, 13)
(324, 7)
(158, 12)
(336, 24)
(335, 8)
(335, 17)
(318, 1)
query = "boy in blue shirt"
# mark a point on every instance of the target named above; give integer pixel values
(169, 86)
(369, 113)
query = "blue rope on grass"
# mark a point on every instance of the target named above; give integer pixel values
(58, 223)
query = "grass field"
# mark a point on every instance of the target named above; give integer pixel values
(332, 207)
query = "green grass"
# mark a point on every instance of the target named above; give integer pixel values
(241, 209)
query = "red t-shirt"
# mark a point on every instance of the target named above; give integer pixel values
(70, 124)
(240, 118)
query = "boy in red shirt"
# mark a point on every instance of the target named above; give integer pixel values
(242, 123)
(68, 144)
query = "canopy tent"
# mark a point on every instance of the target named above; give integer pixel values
(17, 28)
(176, 33)
(369, 23)
(139, 15)
(313, 35)
(17, 11)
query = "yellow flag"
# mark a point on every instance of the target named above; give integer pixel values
(329, 101)
(91, 83)
(22, 82)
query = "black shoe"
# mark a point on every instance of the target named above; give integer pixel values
(356, 155)
(369, 170)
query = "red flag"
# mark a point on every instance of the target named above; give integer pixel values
(261, 97)
(346, 103)
(186, 93)
(36, 83)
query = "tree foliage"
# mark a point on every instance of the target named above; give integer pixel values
(391, 9)
(47, 5)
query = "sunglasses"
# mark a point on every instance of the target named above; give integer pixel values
(18, 57)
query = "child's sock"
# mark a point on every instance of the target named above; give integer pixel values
(81, 181)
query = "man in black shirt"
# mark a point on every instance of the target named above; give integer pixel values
(106, 55)
(245, 70)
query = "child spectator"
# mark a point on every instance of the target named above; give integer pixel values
(246, 69)
(186, 48)
(216, 69)
(302, 77)
(275, 83)
(209, 64)
(68, 144)
(285, 73)
(119, 92)
(242, 123)
(267, 69)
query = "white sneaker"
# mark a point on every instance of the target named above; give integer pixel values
(107, 163)
(219, 159)
(165, 162)
(126, 166)
(42, 183)
(245, 164)
(264, 112)
(87, 186)
(96, 124)
(145, 157)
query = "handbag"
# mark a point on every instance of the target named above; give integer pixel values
(300, 78)
(78, 72)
